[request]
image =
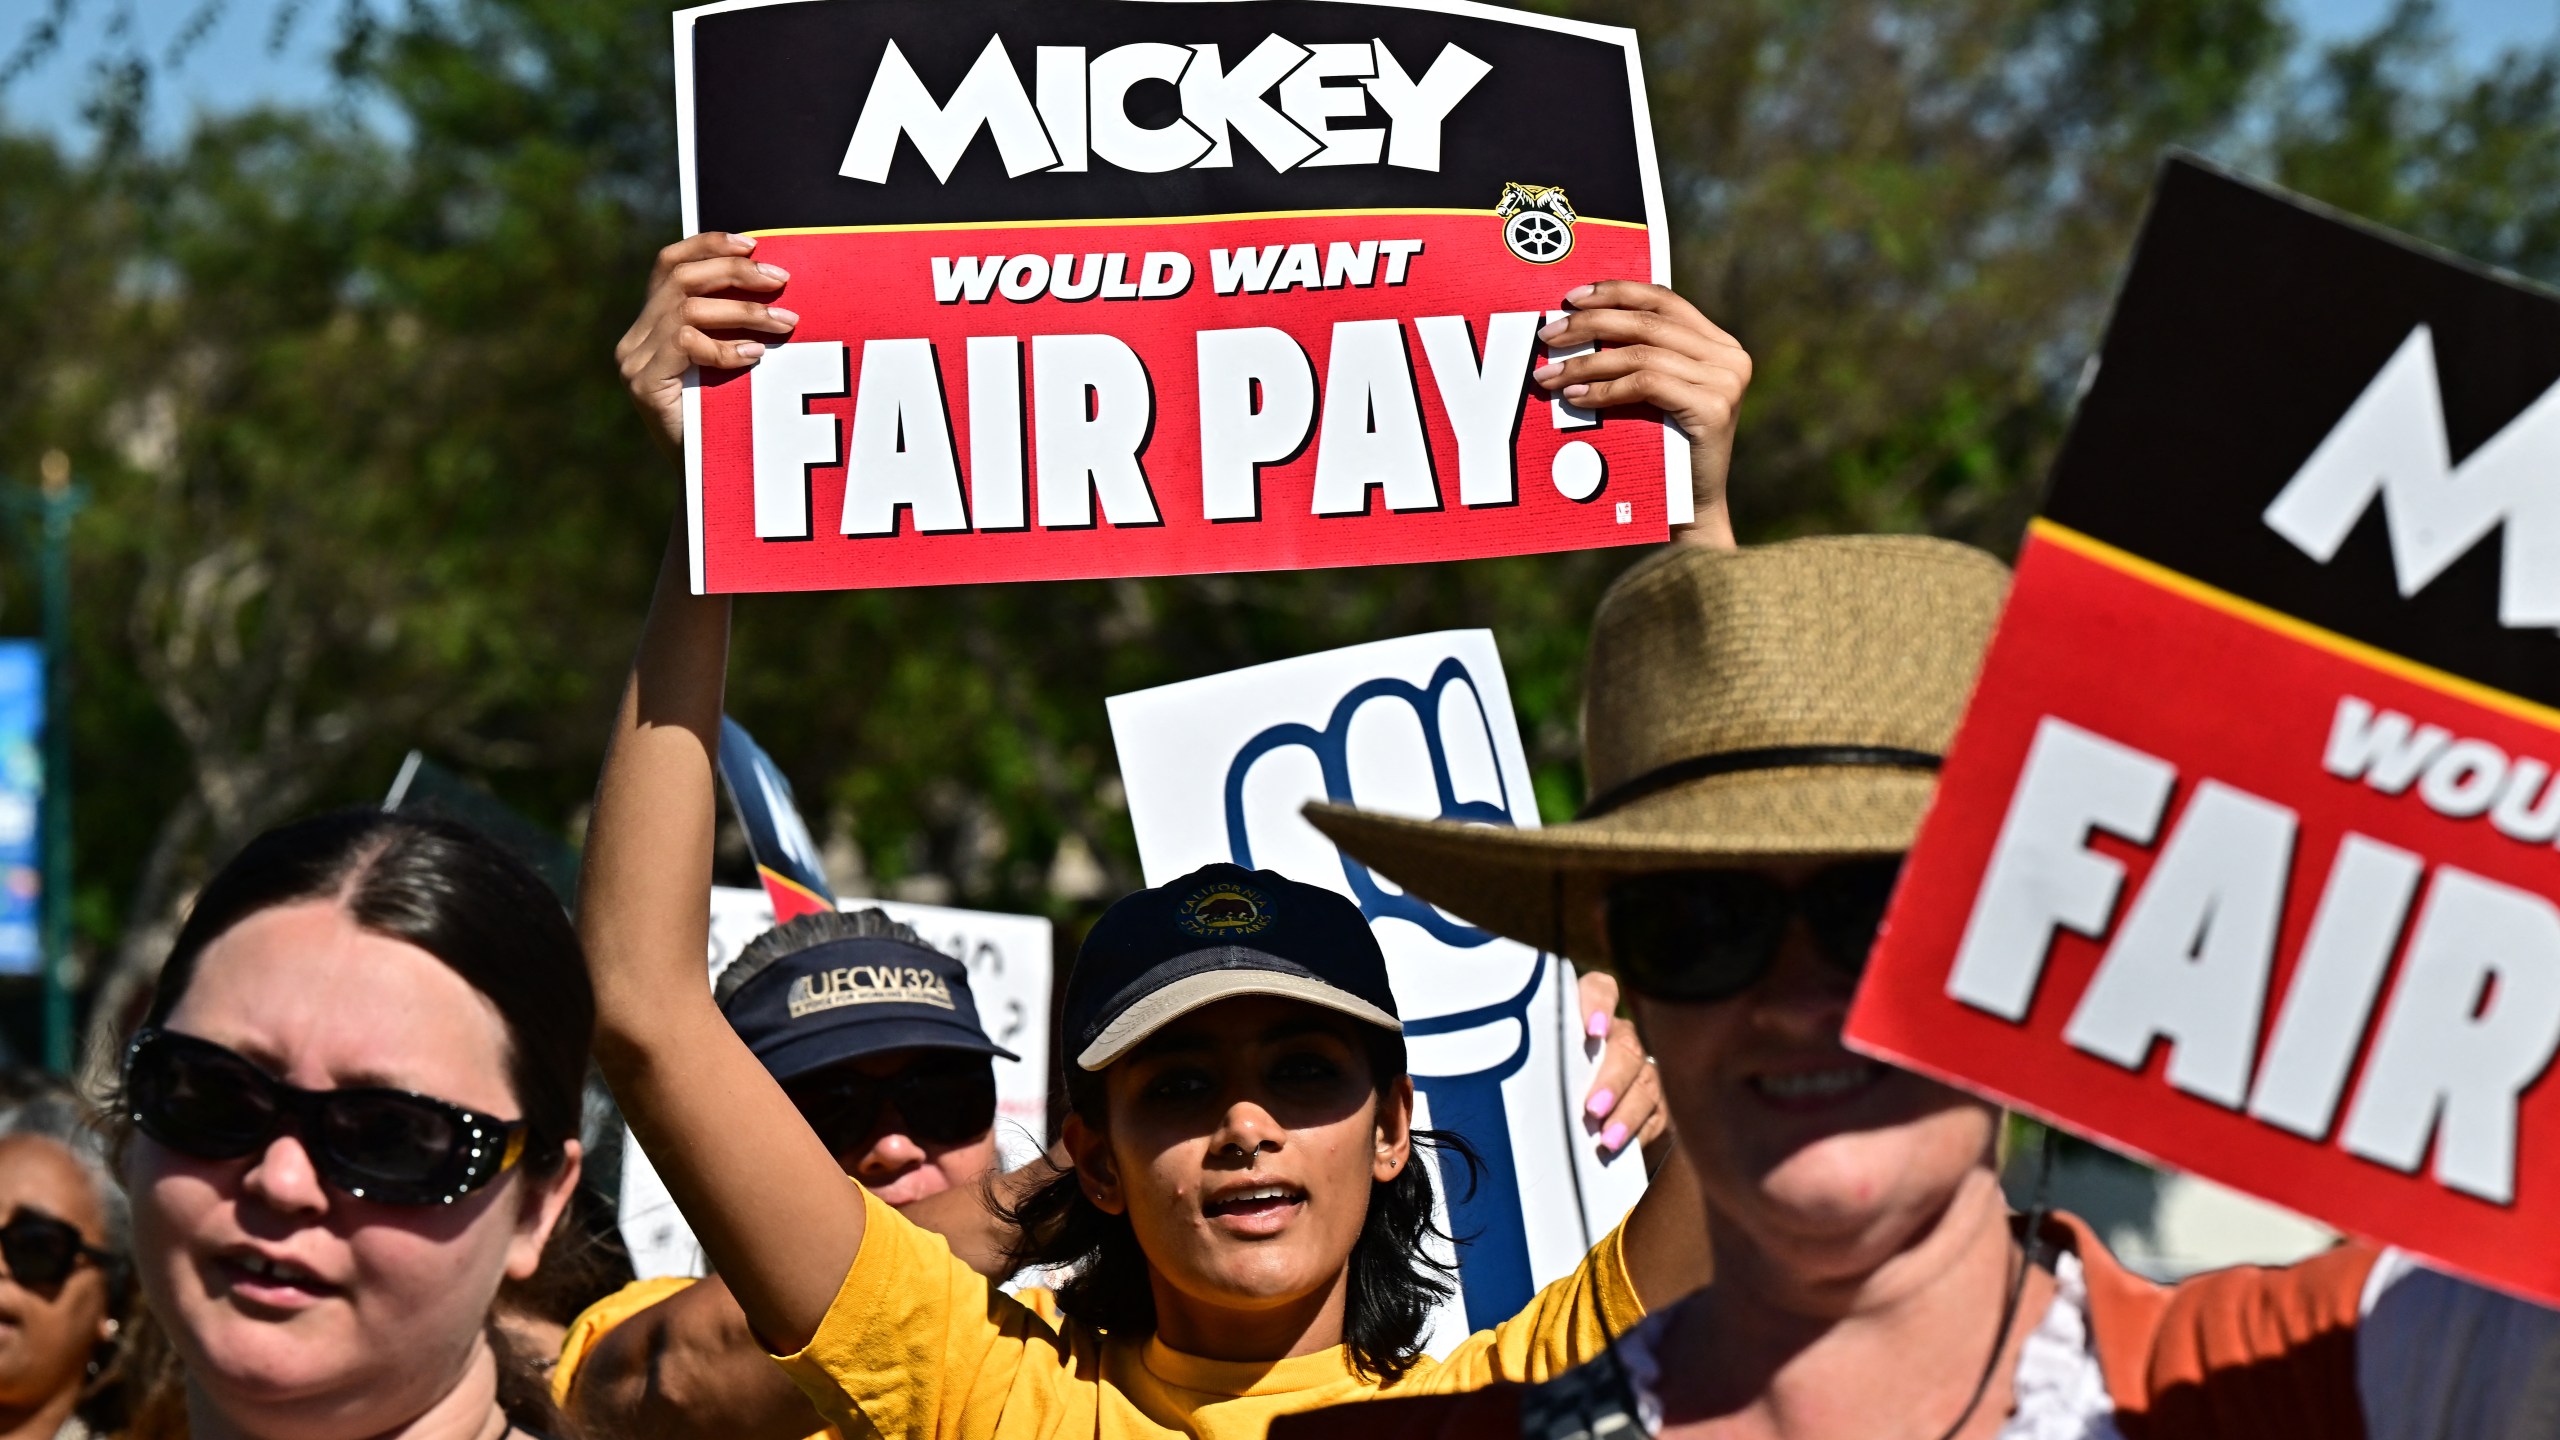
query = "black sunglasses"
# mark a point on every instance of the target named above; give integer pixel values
(385, 1145)
(41, 1251)
(942, 1101)
(1697, 936)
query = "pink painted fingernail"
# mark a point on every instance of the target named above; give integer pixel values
(772, 272)
(787, 317)
(1576, 392)
(1600, 1102)
(1597, 1026)
(1552, 329)
(1548, 371)
(750, 350)
(747, 240)
(1614, 1139)
(1578, 294)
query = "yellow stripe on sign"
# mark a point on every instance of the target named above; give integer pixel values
(2292, 627)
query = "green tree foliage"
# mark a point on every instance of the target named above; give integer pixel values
(340, 379)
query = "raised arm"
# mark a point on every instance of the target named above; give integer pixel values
(774, 1212)
(1663, 351)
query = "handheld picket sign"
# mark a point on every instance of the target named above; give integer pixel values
(1217, 769)
(2244, 857)
(786, 858)
(1133, 289)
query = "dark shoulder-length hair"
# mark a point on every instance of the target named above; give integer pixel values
(456, 895)
(1395, 1283)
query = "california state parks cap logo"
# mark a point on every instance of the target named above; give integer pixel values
(1221, 912)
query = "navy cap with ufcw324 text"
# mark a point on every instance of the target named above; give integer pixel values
(1219, 932)
(842, 999)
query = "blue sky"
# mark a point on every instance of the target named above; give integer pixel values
(234, 64)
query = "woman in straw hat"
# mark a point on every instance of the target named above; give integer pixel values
(1762, 731)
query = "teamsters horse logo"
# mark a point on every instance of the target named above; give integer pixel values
(1537, 222)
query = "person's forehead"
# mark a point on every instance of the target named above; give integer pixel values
(38, 1172)
(320, 1002)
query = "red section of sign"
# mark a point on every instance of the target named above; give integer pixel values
(2093, 641)
(880, 285)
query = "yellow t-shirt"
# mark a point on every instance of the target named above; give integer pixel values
(919, 1344)
(592, 1323)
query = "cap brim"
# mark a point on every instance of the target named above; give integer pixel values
(1170, 1002)
(1542, 887)
(818, 1049)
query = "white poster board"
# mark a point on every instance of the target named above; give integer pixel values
(1217, 770)
(1009, 960)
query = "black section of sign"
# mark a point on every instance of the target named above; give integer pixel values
(2248, 325)
(777, 91)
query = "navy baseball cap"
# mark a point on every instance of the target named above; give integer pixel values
(842, 999)
(1217, 933)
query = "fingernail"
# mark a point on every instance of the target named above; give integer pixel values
(750, 242)
(1597, 1026)
(1614, 1139)
(750, 350)
(1547, 372)
(1551, 330)
(787, 317)
(1600, 1102)
(1576, 392)
(1578, 294)
(773, 272)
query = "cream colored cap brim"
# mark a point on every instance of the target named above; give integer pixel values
(1159, 1008)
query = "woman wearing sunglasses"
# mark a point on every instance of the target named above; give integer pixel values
(63, 1298)
(355, 1103)
(1761, 737)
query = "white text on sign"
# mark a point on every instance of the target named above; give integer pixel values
(1092, 408)
(1081, 111)
(2473, 1018)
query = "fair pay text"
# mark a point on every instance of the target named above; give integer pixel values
(1058, 424)
(2471, 1020)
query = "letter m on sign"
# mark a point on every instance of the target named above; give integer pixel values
(2391, 445)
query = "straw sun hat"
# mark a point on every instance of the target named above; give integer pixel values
(1786, 701)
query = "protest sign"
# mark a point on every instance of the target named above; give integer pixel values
(1217, 769)
(1130, 289)
(1010, 965)
(787, 862)
(2244, 857)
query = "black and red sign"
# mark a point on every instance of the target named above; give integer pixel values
(2245, 856)
(1121, 288)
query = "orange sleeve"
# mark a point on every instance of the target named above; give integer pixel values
(2252, 1351)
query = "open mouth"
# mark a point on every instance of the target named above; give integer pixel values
(270, 1280)
(1264, 1203)
(1817, 1089)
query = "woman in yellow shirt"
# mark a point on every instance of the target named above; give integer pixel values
(1243, 1178)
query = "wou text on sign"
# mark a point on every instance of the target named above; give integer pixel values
(1082, 114)
(2458, 778)
(1092, 413)
(2473, 1018)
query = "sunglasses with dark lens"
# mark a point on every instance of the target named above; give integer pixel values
(41, 1251)
(384, 1145)
(1698, 936)
(939, 1101)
